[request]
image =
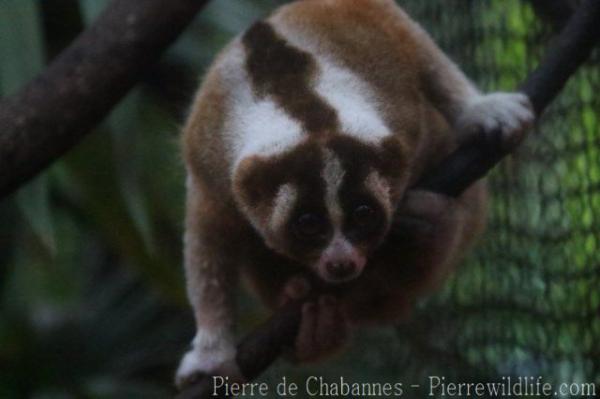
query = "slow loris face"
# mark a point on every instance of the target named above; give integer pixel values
(325, 205)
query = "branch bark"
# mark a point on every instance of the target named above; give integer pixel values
(556, 12)
(53, 112)
(461, 169)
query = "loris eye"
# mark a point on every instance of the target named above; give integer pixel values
(364, 216)
(309, 225)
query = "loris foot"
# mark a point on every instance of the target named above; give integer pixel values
(212, 353)
(425, 213)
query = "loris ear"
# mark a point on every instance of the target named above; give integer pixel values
(254, 182)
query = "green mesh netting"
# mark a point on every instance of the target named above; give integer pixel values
(527, 302)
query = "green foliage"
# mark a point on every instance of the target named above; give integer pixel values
(20, 36)
(524, 304)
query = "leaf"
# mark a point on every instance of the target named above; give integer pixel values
(124, 125)
(125, 128)
(91, 9)
(101, 203)
(34, 202)
(21, 45)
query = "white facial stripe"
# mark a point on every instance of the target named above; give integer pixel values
(380, 189)
(333, 175)
(255, 126)
(283, 204)
(350, 96)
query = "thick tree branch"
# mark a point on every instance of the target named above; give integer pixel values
(556, 12)
(462, 168)
(53, 112)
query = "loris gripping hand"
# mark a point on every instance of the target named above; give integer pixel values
(507, 114)
(299, 149)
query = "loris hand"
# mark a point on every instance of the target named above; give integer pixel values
(507, 114)
(323, 328)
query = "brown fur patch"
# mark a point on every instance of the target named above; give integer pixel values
(258, 179)
(278, 69)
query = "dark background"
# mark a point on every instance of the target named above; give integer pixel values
(92, 302)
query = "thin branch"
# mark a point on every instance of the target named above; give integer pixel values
(468, 164)
(53, 112)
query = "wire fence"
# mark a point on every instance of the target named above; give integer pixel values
(527, 303)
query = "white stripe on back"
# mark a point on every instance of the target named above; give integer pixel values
(254, 126)
(351, 97)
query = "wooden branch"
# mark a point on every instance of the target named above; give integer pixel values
(258, 350)
(53, 112)
(462, 168)
(570, 50)
(556, 12)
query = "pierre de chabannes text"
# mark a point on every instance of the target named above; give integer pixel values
(434, 386)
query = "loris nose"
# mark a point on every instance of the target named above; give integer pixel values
(341, 270)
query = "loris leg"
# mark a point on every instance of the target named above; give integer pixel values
(444, 228)
(211, 282)
(507, 114)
